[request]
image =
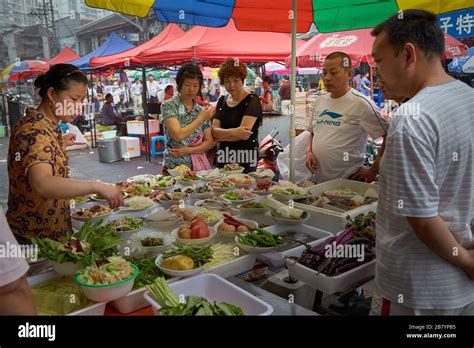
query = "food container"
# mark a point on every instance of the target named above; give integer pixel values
(233, 267)
(216, 289)
(290, 222)
(93, 309)
(133, 301)
(67, 268)
(198, 241)
(332, 221)
(174, 272)
(277, 258)
(232, 235)
(109, 150)
(109, 292)
(326, 284)
(130, 147)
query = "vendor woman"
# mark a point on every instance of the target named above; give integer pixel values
(38, 170)
(238, 117)
(187, 124)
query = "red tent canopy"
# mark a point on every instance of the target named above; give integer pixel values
(453, 48)
(216, 44)
(357, 44)
(131, 56)
(66, 55)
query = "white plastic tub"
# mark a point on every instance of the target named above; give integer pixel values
(234, 267)
(216, 289)
(135, 300)
(326, 284)
(332, 221)
(97, 309)
(277, 258)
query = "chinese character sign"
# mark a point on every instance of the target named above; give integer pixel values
(458, 24)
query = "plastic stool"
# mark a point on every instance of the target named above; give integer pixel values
(161, 140)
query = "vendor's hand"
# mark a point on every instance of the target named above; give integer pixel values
(111, 194)
(311, 163)
(69, 139)
(243, 133)
(178, 151)
(366, 174)
(207, 112)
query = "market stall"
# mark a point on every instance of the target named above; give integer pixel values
(242, 232)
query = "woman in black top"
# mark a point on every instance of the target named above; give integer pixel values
(237, 119)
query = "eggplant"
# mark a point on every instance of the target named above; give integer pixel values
(348, 267)
(358, 240)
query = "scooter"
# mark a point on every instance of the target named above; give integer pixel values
(268, 151)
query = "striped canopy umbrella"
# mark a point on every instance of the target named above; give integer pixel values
(271, 15)
(18, 70)
(282, 16)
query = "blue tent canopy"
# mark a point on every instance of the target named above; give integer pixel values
(113, 44)
(457, 63)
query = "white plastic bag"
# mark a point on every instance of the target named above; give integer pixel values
(301, 172)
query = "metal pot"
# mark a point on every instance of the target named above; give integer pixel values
(109, 150)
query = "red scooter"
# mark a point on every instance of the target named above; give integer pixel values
(268, 151)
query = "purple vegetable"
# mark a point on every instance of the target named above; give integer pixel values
(344, 235)
(349, 266)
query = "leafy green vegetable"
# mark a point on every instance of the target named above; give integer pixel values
(126, 223)
(200, 255)
(148, 272)
(96, 242)
(193, 306)
(233, 196)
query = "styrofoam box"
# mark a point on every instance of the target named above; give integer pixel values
(326, 284)
(216, 289)
(333, 221)
(277, 259)
(138, 127)
(94, 309)
(131, 146)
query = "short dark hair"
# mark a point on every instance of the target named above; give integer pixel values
(189, 71)
(108, 95)
(267, 78)
(59, 77)
(286, 77)
(343, 56)
(419, 27)
(168, 87)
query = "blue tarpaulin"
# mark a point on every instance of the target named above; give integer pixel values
(113, 44)
(457, 63)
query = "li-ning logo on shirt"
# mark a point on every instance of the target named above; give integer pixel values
(333, 115)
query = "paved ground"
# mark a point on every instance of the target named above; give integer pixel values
(85, 165)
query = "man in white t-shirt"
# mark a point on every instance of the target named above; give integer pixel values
(153, 88)
(341, 122)
(15, 294)
(136, 90)
(425, 256)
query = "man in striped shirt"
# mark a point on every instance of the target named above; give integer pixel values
(425, 261)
